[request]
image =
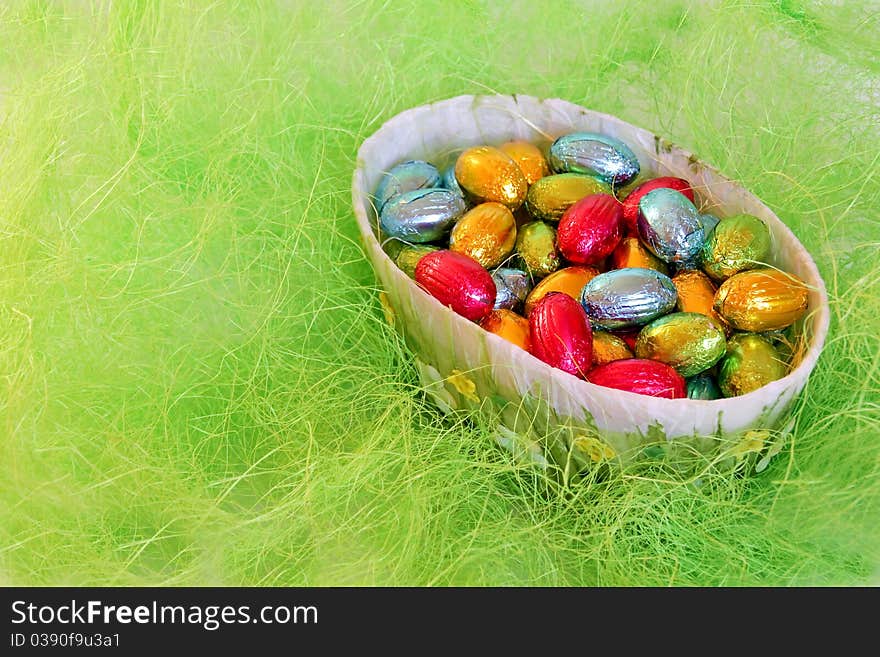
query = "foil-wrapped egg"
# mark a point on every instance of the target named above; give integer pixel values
(551, 196)
(448, 181)
(669, 225)
(630, 252)
(761, 300)
(696, 294)
(627, 297)
(751, 363)
(608, 347)
(458, 282)
(590, 229)
(529, 158)
(737, 243)
(569, 280)
(512, 285)
(408, 257)
(508, 325)
(631, 202)
(486, 233)
(561, 335)
(405, 177)
(486, 173)
(709, 221)
(703, 386)
(421, 215)
(605, 157)
(689, 342)
(536, 247)
(644, 377)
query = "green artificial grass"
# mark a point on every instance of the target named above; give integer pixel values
(198, 384)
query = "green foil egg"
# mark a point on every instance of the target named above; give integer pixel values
(738, 243)
(549, 197)
(751, 363)
(703, 386)
(408, 257)
(689, 342)
(536, 247)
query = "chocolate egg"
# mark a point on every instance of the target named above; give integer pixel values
(408, 257)
(561, 335)
(457, 282)
(631, 202)
(689, 342)
(761, 300)
(696, 294)
(644, 377)
(569, 280)
(551, 196)
(605, 157)
(489, 174)
(486, 233)
(703, 386)
(751, 363)
(529, 158)
(670, 225)
(406, 177)
(737, 243)
(627, 297)
(590, 229)
(608, 347)
(630, 252)
(536, 246)
(508, 325)
(512, 285)
(421, 215)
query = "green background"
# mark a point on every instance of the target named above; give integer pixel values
(198, 386)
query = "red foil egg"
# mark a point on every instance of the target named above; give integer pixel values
(590, 229)
(642, 376)
(631, 202)
(561, 334)
(458, 282)
(629, 336)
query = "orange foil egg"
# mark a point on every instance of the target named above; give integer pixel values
(696, 294)
(608, 347)
(760, 300)
(508, 325)
(529, 158)
(632, 253)
(486, 173)
(486, 233)
(570, 280)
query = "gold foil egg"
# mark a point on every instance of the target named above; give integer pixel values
(486, 173)
(632, 253)
(408, 257)
(751, 363)
(486, 233)
(536, 246)
(736, 244)
(608, 347)
(551, 196)
(696, 294)
(508, 325)
(570, 280)
(689, 342)
(529, 158)
(761, 300)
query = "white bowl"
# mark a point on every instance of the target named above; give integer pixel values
(543, 413)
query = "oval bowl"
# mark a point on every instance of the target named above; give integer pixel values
(545, 415)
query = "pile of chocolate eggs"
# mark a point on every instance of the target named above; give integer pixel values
(619, 281)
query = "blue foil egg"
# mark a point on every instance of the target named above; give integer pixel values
(670, 226)
(597, 155)
(709, 222)
(627, 297)
(405, 177)
(450, 182)
(421, 215)
(703, 386)
(512, 287)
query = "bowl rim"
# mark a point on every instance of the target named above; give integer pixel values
(797, 376)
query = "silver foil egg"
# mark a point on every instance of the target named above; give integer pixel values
(670, 226)
(597, 155)
(421, 215)
(512, 285)
(627, 297)
(405, 177)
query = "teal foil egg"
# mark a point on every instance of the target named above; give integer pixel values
(605, 157)
(709, 222)
(703, 386)
(670, 226)
(627, 297)
(512, 287)
(449, 181)
(421, 215)
(405, 177)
